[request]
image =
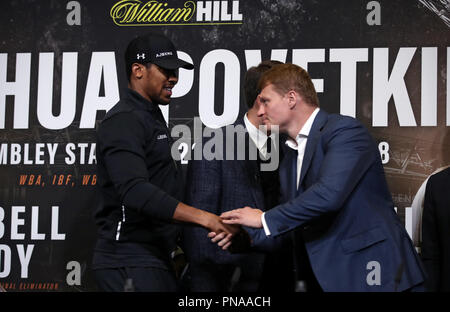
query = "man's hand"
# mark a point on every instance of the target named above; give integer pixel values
(245, 216)
(210, 221)
(239, 243)
(215, 224)
(220, 232)
(222, 239)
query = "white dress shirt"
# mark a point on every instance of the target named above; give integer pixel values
(300, 145)
(257, 136)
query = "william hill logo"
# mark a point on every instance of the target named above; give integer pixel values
(159, 13)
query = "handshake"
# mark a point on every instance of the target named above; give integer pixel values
(226, 230)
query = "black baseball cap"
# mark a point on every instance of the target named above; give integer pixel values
(156, 49)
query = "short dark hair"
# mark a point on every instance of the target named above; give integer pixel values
(251, 80)
(288, 77)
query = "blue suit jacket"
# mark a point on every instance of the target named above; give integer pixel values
(344, 212)
(218, 186)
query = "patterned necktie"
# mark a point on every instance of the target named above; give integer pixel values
(292, 154)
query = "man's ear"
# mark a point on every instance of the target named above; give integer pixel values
(293, 98)
(137, 70)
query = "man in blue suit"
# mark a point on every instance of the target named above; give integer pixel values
(220, 185)
(348, 236)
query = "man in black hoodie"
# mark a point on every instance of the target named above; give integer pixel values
(140, 183)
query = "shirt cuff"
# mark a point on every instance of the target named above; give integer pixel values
(266, 228)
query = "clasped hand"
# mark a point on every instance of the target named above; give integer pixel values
(246, 216)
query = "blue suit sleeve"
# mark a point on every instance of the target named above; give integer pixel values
(260, 242)
(349, 153)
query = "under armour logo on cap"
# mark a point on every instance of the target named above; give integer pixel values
(156, 49)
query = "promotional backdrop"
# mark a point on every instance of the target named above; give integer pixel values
(384, 62)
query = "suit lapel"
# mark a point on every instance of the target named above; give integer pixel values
(250, 166)
(313, 138)
(288, 174)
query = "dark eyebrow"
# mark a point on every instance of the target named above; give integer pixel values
(168, 72)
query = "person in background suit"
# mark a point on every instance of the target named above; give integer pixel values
(442, 138)
(417, 211)
(221, 185)
(436, 232)
(348, 236)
